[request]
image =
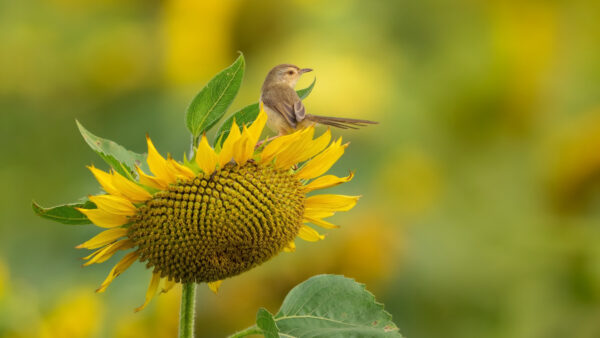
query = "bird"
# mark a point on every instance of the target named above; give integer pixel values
(284, 108)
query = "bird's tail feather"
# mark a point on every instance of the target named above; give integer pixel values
(339, 122)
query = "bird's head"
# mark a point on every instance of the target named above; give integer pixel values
(285, 73)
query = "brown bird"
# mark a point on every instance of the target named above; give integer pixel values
(284, 108)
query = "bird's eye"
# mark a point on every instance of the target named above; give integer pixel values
(291, 72)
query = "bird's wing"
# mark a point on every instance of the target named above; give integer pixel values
(286, 101)
(299, 110)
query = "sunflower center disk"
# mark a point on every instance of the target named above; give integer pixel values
(211, 228)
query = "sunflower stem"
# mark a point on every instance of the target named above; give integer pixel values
(247, 332)
(186, 316)
(195, 141)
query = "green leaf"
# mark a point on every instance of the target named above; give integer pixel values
(212, 101)
(333, 306)
(243, 116)
(265, 321)
(249, 113)
(303, 93)
(66, 214)
(120, 159)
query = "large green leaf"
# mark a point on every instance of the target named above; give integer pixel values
(66, 214)
(249, 113)
(331, 306)
(120, 159)
(212, 101)
(265, 321)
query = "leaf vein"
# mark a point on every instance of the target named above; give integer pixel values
(314, 317)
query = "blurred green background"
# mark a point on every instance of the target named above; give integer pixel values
(480, 214)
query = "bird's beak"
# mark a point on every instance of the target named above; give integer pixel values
(305, 70)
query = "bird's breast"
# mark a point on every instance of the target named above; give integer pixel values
(276, 122)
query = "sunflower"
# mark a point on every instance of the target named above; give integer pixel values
(222, 213)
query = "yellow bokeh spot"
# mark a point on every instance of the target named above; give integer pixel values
(117, 59)
(370, 250)
(3, 279)
(197, 37)
(525, 42)
(156, 321)
(78, 314)
(411, 181)
(573, 161)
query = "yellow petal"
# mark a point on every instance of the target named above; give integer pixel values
(129, 189)
(158, 164)
(226, 153)
(278, 145)
(258, 125)
(151, 181)
(206, 157)
(243, 149)
(309, 234)
(168, 285)
(321, 223)
(322, 162)
(103, 238)
(327, 181)
(331, 202)
(214, 286)
(93, 254)
(151, 291)
(108, 251)
(104, 219)
(180, 170)
(118, 269)
(313, 213)
(314, 147)
(292, 154)
(123, 244)
(114, 204)
(290, 247)
(105, 180)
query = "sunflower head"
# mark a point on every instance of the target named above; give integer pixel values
(221, 214)
(215, 226)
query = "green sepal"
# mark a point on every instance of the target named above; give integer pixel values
(191, 164)
(249, 113)
(120, 159)
(66, 213)
(212, 101)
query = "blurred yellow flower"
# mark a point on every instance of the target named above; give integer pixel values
(221, 215)
(573, 161)
(19, 313)
(117, 59)
(525, 40)
(159, 322)
(369, 250)
(197, 35)
(78, 314)
(3, 279)
(411, 181)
